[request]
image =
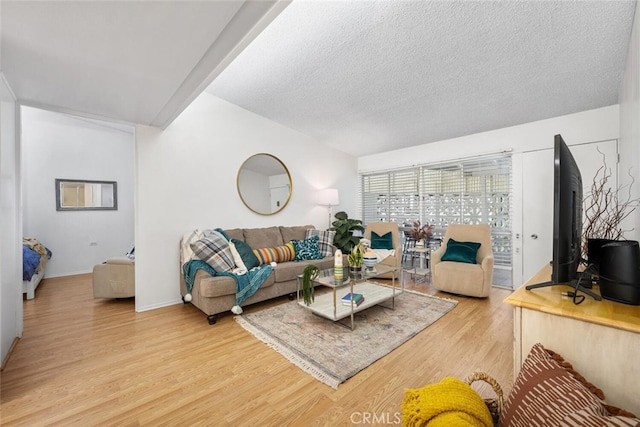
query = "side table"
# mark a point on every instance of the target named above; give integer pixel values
(422, 252)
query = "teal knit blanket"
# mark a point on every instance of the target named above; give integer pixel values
(246, 284)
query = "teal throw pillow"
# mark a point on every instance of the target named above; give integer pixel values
(307, 249)
(246, 253)
(325, 240)
(381, 242)
(461, 251)
(224, 233)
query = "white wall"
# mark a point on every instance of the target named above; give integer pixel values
(630, 125)
(588, 126)
(57, 145)
(186, 179)
(10, 223)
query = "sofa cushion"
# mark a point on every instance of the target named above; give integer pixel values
(212, 287)
(213, 248)
(307, 249)
(268, 237)
(463, 278)
(461, 251)
(246, 253)
(381, 242)
(291, 270)
(325, 240)
(282, 253)
(549, 392)
(235, 233)
(295, 233)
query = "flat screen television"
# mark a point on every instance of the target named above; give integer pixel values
(567, 220)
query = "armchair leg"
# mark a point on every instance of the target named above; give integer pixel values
(212, 319)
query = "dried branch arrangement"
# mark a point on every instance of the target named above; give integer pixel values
(605, 207)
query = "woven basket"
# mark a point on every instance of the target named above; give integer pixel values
(494, 404)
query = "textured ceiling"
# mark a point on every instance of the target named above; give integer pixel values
(135, 61)
(363, 76)
(371, 76)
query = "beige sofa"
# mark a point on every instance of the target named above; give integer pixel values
(217, 294)
(114, 279)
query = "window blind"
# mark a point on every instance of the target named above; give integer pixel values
(391, 196)
(473, 191)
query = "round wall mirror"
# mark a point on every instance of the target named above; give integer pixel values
(264, 184)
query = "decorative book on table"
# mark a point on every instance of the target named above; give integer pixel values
(357, 299)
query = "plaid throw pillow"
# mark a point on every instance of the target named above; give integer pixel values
(307, 249)
(214, 249)
(325, 241)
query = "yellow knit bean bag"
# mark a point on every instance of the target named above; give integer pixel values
(449, 403)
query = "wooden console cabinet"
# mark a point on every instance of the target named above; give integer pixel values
(601, 339)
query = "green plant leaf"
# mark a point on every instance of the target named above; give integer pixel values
(309, 274)
(344, 228)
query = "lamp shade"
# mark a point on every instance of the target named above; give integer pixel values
(328, 197)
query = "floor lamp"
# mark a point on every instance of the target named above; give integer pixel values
(329, 197)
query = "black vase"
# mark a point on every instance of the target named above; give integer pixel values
(620, 272)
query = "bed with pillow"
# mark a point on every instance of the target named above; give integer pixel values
(34, 262)
(224, 270)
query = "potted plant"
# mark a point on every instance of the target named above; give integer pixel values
(604, 210)
(344, 228)
(356, 258)
(309, 274)
(421, 232)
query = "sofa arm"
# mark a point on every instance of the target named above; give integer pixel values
(120, 261)
(114, 279)
(436, 256)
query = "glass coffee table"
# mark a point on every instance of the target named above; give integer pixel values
(330, 306)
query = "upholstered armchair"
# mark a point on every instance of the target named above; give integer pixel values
(381, 229)
(459, 273)
(114, 279)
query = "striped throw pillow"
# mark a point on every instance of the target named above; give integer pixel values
(282, 253)
(548, 392)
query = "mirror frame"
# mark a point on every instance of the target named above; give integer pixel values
(59, 207)
(245, 202)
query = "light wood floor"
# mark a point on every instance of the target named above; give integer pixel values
(93, 362)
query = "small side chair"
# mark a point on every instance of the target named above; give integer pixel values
(464, 278)
(382, 228)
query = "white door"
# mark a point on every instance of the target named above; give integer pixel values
(537, 197)
(279, 196)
